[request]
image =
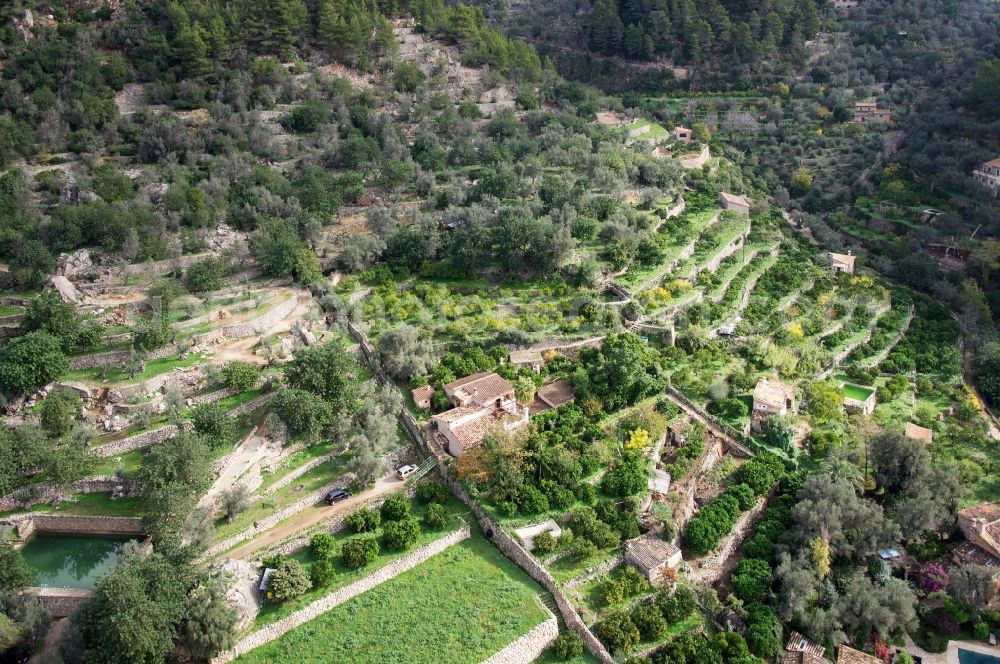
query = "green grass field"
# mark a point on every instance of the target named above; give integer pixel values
(460, 607)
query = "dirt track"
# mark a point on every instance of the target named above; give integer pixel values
(314, 515)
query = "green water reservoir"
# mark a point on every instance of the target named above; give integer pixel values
(856, 392)
(71, 561)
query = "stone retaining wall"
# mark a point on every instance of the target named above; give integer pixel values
(136, 442)
(727, 251)
(600, 570)
(251, 405)
(117, 358)
(530, 646)
(301, 470)
(33, 523)
(166, 265)
(11, 319)
(212, 397)
(338, 597)
(254, 326)
(11, 301)
(60, 602)
(112, 339)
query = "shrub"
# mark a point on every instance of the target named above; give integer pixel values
(323, 546)
(649, 621)
(618, 632)
(360, 551)
(322, 573)
(752, 579)
(364, 520)
(396, 508)
(435, 516)
(544, 543)
(981, 631)
(240, 376)
(567, 645)
(743, 495)
(59, 410)
(678, 605)
(432, 492)
(763, 631)
(401, 535)
(212, 420)
(288, 581)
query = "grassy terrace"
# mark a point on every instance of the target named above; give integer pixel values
(118, 375)
(344, 575)
(459, 607)
(711, 243)
(693, 223)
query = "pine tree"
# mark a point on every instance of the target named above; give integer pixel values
(191, 52)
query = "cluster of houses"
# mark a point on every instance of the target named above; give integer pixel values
(485, 402)
(988, 176)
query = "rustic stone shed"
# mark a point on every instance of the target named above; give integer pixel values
(422, 397)
(652, 556)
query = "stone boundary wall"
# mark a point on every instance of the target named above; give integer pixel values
(529, 647)
(13, 318)
(136, 442)
(699, 161)
(61, 602)
(710, 569)
(677, 209)
(274, 519)
(390, 571)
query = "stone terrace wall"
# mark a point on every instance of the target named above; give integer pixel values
(530, 646)
(166, 265)
(116, 358)
(46, 492)
(251, 405)
(253, 326)
(136, 442)
(338, 597)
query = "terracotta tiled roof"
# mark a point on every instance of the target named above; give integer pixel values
(796, 657)
(420, 393)
(919, 433)
(969, 552)
(848, 655)
(799, 643)
(456, 414)
(471, 434)
(557, 393)
(993, 163)
(649, 551)
(735, 199)
(482, 387)
(986, 511)
(842, 258)
(772, 393)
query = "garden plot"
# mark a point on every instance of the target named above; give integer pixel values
(470, 584)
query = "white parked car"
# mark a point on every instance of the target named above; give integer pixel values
(406, 471)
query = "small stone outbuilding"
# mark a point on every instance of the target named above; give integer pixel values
(771, 398)
(842, 262)
(652, 556)
(527, 359)
(422, 397)
(734, 202)
(917, 432)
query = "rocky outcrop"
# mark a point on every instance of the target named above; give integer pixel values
(67, 291)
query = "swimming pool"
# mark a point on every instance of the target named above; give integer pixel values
(972, 657)
(71, 561)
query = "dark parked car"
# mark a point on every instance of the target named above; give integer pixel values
(14, 655)
(337, 495)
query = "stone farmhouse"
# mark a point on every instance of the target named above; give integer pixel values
(652, 556)
(845, 4)
(848, 655)
(771, 398)
(683, 134)
(527, 359)
(981, 526)
(734, 202)
(422, 397)
(988, 176)
(555, 394)
(842, 262)
(867, 112)
(482, 402)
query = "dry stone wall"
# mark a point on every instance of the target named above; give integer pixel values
(136, 442)
(251, 405)
(46, 492)
(32, 523)
(338, 597)
(60, 602)
(530, 646)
